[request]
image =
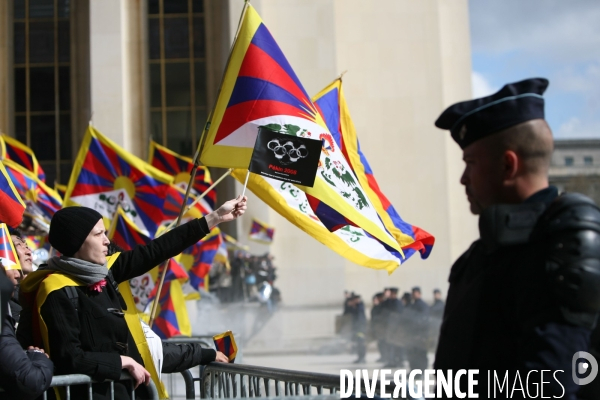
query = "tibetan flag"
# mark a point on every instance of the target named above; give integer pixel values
(261, 232)
(260, 89)
(60, 189)
(332, 106)
(350, 242)
(12, 206)
(172, 206)
(12, 149)
(225, 343)
(105, 175)
(126, 235)
(172, 318)
(8, 254)
(40, 198)
(198, 258)
(179, 167)
(174, 271)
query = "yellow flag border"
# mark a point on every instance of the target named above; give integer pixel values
(17, 266)
(351, 140)
(34, 177)
(130, 158)
(154, 145)
(14, 142)
(272, 198)
(250, 23)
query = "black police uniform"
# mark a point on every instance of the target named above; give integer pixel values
(525, 304)
(524, 297)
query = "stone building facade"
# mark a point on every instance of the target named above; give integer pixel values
(142, 69)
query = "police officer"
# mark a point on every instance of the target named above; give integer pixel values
(359, 326)
(437, 308)
(524, 297)
(378, 324)
(392, 308)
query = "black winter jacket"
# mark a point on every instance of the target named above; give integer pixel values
(91, 339)
(23, 374)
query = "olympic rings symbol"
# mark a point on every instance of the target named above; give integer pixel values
(287, 149)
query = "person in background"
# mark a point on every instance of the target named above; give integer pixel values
(417, 353)
(26, 260)
(24, 374)
(359, 327)
(406, 299)
(437, 308)
(23, 251)
(393, 306)
(378, 325)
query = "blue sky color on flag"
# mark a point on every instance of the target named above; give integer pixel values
(8, 253)
(179, 167)
(261, 232)
(106, 175)
(559, 40)
(40, 198)
(12, 149)
(332, 106)
(259, 88)
(13, 206)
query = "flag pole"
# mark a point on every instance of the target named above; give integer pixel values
(156, 300)
(197, 199)
(202, 139)
(207, 125)
(245, 183)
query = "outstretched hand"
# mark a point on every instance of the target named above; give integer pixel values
(229, 211)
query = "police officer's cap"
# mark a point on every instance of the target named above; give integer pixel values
(469, 121)
(416, 289)
(393, 289)
(379, 295)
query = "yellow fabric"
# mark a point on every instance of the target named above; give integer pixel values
(56, 281)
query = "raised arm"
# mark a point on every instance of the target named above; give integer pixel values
(143, 258)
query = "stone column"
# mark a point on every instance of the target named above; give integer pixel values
(6, 68)
(119, 71)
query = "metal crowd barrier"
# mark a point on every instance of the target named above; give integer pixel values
(219, 380)
(78, 379)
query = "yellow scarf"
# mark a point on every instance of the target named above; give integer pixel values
(44, 282)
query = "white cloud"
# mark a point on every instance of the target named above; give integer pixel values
(480, 86)
(575, 128)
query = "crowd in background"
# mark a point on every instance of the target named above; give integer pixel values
(248, 278)
(404, 328)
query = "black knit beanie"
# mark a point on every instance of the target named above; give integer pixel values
(70, 227)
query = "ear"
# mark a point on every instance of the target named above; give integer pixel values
(511, 165)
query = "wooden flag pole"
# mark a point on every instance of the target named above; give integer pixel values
(156, 300)
(197, 199)
(202, 139)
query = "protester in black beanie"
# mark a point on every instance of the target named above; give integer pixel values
(89, 335)
(70, 227)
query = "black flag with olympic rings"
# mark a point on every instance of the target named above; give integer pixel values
(285, 157)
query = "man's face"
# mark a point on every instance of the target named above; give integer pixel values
(482, 177)
(416, 294)
(95, 247)
(24, 253)
(437, 296)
